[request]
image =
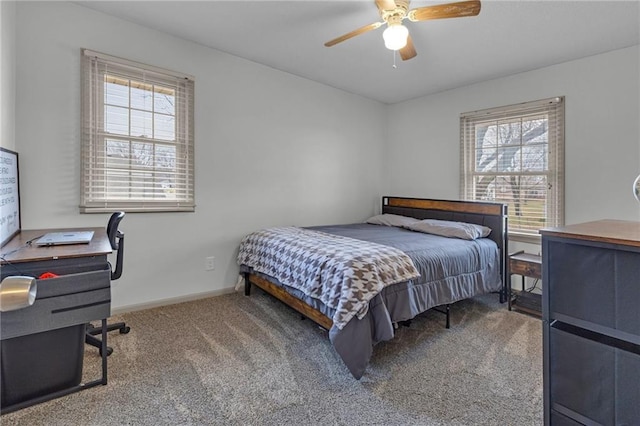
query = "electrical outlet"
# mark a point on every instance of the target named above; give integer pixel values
(209, 263)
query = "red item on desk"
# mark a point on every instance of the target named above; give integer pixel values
(46, 275)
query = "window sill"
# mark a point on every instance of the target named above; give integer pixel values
(129, 209)
(524, 238)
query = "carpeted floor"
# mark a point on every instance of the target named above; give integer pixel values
(236, 360)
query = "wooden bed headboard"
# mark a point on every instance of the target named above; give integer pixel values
(492, 215)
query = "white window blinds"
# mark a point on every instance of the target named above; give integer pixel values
(137, 137)
(515, 155)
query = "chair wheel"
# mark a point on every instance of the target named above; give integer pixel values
(125, 329)
(109, 351)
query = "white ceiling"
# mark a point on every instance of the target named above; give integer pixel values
(507, 37)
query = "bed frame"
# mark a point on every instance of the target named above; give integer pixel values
(492, 215)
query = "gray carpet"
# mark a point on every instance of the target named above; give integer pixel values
(236, 360)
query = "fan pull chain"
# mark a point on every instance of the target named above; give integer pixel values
(394, 59)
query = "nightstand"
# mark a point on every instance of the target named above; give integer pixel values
(527, 265)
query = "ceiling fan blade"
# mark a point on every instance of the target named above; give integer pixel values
(354, 33)
(386, 4)
(450, 10)
(408, 51)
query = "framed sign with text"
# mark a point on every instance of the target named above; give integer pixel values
(9, 196)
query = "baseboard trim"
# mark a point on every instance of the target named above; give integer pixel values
(171, 301)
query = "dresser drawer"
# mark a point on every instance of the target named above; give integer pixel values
(593, 379)
(528, 268)
(61, 302)
(595, 284)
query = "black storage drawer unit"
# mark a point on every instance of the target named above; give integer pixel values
(591, 323)
(42, 346)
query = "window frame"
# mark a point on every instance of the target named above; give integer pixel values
(96, 197)
(553, 110)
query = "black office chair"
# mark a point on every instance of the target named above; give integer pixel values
(116, 238)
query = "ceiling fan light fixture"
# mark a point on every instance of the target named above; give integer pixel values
(395, 36)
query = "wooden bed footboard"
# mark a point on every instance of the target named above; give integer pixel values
(492, 215)
(286, 298)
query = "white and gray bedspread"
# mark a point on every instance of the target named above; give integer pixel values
(450, 269)
(341, 272)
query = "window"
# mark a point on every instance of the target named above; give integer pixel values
(137, 137)
(515, 155)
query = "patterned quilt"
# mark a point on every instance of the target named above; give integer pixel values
(344, 273)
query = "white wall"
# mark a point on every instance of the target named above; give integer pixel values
(274, 149)
(7, 74)
(602, 137)
(271, 149)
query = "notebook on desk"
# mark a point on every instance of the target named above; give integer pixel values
(61, 238)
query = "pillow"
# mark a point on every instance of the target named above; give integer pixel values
(392, 220)
(445, 228)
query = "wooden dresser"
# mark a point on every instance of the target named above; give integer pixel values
(591, 321)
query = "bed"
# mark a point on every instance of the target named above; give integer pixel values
(446, 269)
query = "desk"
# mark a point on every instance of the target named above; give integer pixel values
(80, 294)
(18, 251)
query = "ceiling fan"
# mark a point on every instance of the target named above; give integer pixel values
(396, 36)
